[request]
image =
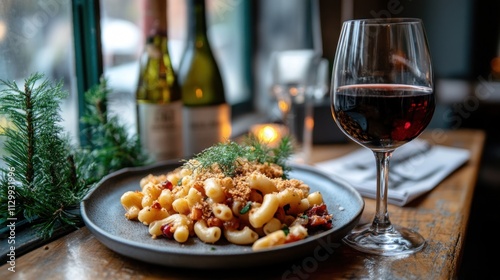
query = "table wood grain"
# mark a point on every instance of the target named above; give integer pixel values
(441, 216)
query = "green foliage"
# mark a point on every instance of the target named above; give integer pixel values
(226, 155)
(109, 147)
(49, 174)
(48, 184)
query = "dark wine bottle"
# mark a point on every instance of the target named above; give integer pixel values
(206, 114)
(158, 96)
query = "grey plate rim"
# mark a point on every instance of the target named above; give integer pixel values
(226, 255)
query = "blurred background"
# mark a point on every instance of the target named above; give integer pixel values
(76, 40)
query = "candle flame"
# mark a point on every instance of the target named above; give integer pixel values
(268, 134)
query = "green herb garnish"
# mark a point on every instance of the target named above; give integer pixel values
(246, 208)
(227, 154)
(286, 230)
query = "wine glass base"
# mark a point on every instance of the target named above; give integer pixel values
(394, 242)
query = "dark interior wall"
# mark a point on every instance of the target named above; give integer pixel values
(330, 26)
(486, 35)
(449, 27)
(463, 35)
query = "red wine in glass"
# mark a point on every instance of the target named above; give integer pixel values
(382, 98)
(381, 116)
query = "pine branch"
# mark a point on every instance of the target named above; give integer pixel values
(37, 150)
(109, 145)
(50, 175)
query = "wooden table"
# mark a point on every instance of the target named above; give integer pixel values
(441, 216)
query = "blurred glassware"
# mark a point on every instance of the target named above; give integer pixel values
(322, 80)
(276, 32)
(297, 78)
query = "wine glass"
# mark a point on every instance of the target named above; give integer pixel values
(382, 98)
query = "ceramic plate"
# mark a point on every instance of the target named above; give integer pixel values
(103, 214)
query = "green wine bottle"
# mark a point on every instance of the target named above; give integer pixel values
(206, 115)
(158, 96)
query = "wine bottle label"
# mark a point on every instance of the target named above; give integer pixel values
(205, 126)
(160, 129)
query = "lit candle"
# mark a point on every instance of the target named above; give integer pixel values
(268, 133)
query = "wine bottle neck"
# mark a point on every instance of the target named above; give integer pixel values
(155, 17)
(197, 20)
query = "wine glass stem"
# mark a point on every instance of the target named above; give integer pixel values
(381, 223)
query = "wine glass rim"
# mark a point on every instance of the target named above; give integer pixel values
(385, 21)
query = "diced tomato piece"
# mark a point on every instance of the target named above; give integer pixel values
(167, 185)
(167, 231)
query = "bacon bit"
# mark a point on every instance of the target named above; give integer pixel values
(292, 238)
(280, 214)
(196, 214)
(234, 224)
(199, 187)
(319, 210)
(214, 222)
(167, 185)
(156, 205)
(315, 221)
(318, 218)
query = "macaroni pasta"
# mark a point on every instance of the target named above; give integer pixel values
(256, 206)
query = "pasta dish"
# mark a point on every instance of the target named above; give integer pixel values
(237, 192)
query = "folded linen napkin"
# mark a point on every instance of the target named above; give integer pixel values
(415, 169)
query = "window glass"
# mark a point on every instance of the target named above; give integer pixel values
(37, 36)
(230, 43)
(121, 43)
(123, 38)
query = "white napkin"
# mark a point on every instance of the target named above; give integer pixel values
(421, 172)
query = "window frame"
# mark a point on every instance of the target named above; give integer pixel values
(88, 51)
